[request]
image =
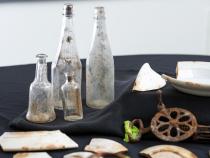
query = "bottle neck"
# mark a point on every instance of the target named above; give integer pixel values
(69, 78)
(100, 40)
(67, 45)
(100, 27)
(41, 70)
(67, 23)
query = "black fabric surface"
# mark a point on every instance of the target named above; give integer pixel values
(15, 81)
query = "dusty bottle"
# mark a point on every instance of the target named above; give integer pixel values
(67, 54)
(72, 103)
(40, 108)
(99, 66)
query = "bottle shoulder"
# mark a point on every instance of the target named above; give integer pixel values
(69, 86)
(66, 63)
(100, 58)
(40, 84)
(67, 45)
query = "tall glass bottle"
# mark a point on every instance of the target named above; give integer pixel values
(67, 54)
(99, 66)
(40, 108)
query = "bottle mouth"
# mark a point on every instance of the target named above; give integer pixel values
(99, 12)
(41, 56)
(68, 10)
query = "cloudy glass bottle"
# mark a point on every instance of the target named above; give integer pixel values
(67, 54)
(99, 66)
(40, 108)
(72, 99)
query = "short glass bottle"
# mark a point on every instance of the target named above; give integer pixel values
(99, 66)
(40, 108)
(72, 103)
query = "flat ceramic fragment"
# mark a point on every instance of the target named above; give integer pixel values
(32, 155)
(147, 79)
(193, 71)
(36, 141)
(192, 77)
(167, 151)
(105, 146)
(81, 155)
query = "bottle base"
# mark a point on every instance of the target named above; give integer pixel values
(98, 104)
(73, 118)
(58, 108)
(58, 105)
(43, 118)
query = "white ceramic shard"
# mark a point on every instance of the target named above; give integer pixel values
(167, 151)
(36, 141)
(105, 146)
(147, 79)
(32, 155)
(80, 155)
(193, 71)
(193, 77)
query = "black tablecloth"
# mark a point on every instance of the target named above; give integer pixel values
(15, 81)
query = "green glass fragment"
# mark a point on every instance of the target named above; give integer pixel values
(132, 133)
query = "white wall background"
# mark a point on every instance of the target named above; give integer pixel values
(134, 27)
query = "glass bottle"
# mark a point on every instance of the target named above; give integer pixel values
(40, 108)
(99, 66)
(67, 54)
(72, 103)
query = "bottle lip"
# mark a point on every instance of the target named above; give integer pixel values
(68, 10)
(99, 12)
(41, 56)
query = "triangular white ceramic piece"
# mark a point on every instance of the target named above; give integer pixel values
(147, 79)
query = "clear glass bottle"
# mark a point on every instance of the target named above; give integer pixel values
(67, 54)
(99, 66)
(72, 99)
(40, 108)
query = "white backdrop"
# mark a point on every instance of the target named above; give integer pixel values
(134, 27)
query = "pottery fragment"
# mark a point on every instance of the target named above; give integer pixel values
(147, 79)
(163, 151)
(36, 141)
(105, 146)
(193, 71)
(81, 155)
(192, 77)
(32, 155)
